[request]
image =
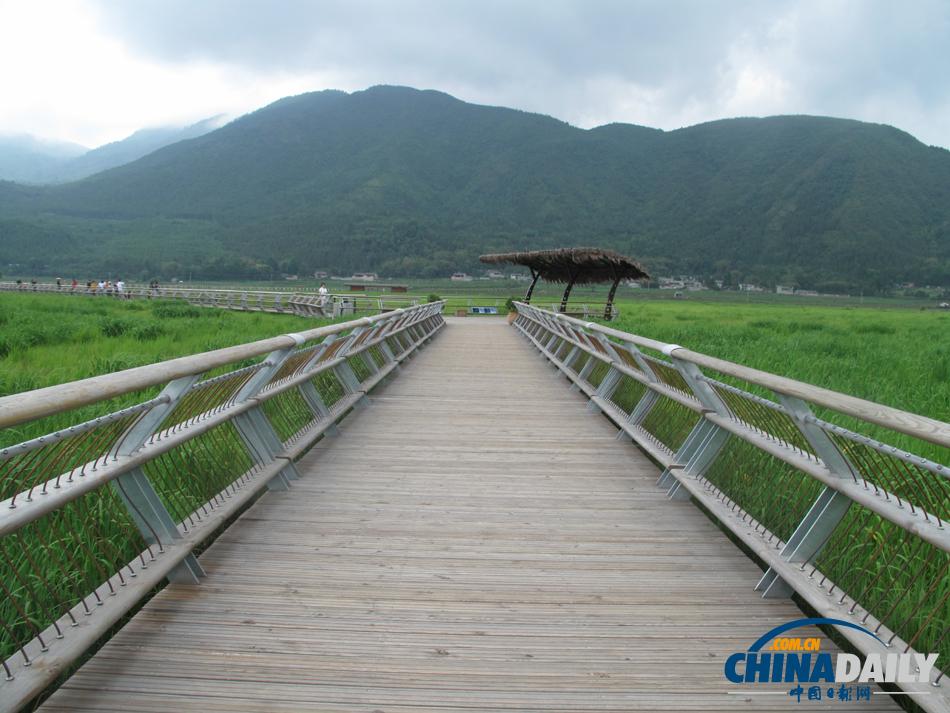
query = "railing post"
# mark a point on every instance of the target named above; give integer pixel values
(136, 491)
(309, 392)
(344, 373)
(647, 401)
(253, 426)
(611, 379)
(827, 512)
(555, 335)
(706, 441)
(568, 361)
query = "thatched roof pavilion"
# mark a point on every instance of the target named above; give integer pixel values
(573, 266)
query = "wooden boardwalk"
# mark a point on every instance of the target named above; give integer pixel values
(475, 540)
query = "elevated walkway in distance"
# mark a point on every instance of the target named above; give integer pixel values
(475, 540)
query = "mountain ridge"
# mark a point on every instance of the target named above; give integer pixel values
(418, 183)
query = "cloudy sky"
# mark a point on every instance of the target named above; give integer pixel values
(94, 71)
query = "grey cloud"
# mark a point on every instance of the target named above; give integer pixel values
(649, 40)
(845, 58)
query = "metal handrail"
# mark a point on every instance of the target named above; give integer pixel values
(95, 513)
(856, 527)
(927, 429)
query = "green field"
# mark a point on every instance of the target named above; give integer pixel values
(880, 351)
(51, 339)
(900, 358)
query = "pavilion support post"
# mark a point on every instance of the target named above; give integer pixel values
(610, 300)
(567, 293)
(527, 296)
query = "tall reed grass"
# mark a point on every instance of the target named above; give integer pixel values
(899, 358)
(51, 339)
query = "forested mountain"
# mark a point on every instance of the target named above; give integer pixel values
(417, 183)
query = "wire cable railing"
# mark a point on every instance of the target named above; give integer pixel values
(857, 528)
(122, 476)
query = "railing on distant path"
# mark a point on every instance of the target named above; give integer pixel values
(858, 528)
(588, 310)
(119, 482)
(297, 303)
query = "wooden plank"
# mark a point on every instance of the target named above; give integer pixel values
(475, 540)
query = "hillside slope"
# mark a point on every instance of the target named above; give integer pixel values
(419, 183)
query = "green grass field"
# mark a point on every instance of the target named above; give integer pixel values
(899, 357)
(51, 339)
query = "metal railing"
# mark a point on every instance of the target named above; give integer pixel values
(109, 484)
(856, 527)
(278, 302)
(588, 310)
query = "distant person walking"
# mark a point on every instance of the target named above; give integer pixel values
(323, 292)
(119, 288)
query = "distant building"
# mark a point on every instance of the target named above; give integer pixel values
(495, 275)
(366, 276)
(461, 277)
(807, 293)
(319, 275)
(783, 290)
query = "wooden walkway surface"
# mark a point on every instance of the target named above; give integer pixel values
(475, 540)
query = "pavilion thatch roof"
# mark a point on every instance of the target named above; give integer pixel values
(580, 266)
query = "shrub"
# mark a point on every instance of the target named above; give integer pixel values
(148, 330)
(172, 309)
(112, 326)
(874, 328)
(433, 298)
